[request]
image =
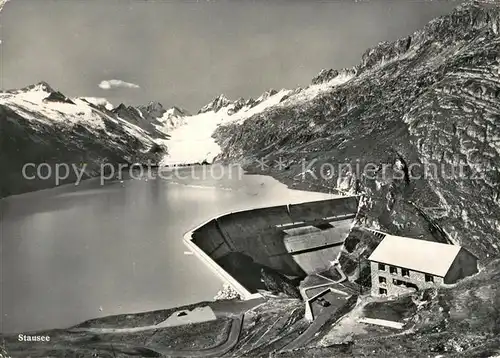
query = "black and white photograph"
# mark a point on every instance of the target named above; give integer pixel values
(249, 178)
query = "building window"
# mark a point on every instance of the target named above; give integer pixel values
(382, 291)
(381, 267)
(393, 270)
(382, 279)
(405, 272)
(396, 282)
(429, 278)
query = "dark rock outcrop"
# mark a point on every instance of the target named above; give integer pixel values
(152, 110)
(145, 117)
(42, 85)
(236, 106)
(216, 105)
(277, 283)
(325, 76)
(250, 102)
(58, 97)
(264, 96)
(292, 93)
(328, 75)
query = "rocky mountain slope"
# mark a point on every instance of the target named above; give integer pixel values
(40, 125)
(193, 141)
(415, 126)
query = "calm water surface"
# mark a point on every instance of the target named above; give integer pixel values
(78, 252)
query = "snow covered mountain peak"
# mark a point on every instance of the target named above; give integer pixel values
(45, 126)
(41, 94)
(39, 90)
(176, 112)
(123, 110)
(266, 95)
(327, 75)
(237, 105)
(40, 86)
(99, 102)
(152, 109)
(216, 105)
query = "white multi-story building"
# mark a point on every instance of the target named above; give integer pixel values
(401, 264)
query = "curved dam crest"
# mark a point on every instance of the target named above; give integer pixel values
(294, 240)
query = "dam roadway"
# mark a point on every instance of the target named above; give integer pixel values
(234, 310)
(154, 350)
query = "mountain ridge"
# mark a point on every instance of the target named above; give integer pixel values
(420, 100)
(430, 98)
(40, 125)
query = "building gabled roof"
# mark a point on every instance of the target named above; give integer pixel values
(419, 255)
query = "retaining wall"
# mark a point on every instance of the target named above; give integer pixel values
(254, 234)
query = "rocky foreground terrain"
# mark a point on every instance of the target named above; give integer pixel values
(416, 127)
(462, 321)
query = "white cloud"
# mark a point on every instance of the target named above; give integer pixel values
(99, 102)
(109, 84)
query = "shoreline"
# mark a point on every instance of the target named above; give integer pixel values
(279, 192)
(309, 186)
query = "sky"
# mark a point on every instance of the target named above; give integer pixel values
(185, 53)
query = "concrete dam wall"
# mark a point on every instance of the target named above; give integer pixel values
(289, 240)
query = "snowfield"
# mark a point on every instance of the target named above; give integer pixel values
(97, 101)
(189, 137)
(246, 112)
(192, 142)
(31, 103)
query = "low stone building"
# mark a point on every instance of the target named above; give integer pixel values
(401, 264)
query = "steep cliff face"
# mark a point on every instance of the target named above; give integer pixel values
(415, 127)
